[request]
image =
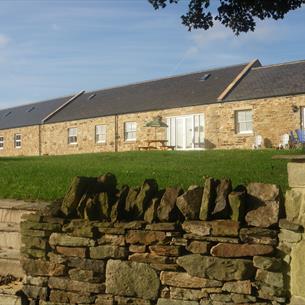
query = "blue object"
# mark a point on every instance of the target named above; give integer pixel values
(301, 135)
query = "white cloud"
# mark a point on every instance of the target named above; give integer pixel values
(4, 40)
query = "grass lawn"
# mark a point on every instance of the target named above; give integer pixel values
(47, 178)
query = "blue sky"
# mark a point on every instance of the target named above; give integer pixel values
(58, 47)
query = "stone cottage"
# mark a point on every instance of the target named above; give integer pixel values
(219, 108)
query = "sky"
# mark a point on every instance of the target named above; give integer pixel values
(56, 48)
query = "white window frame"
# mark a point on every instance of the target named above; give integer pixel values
(1, 142)
(100, 133)
(130, 131)
(245, 121)
(17, 140)
(72, 135)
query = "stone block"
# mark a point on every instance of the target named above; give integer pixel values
(198, 247)
(185, 280)
(263, 192)
(242, 287)
(42, 268)
(296, 174)
(50, 227)
(267, 263)
(165, 250)
(296, 300)
(237, 205)
(144, 237)
(130, 301)
(208, 199)
(222, 208)
(35, 292)
(240, 250)
(97, 266)
(35, 281)
(264, 214)
(176, 302)
(59, 296)
(217, 268)
(137, 248)
(275, 279)
(132, 279)
(189, 203)
(78, 187)
(224, 227)
(298, 270)
(167, 210)
(104, 299)
(151, 258)
(162, 226)
(107, 251)
(291, 226)
(59, 239)
(82, 275)
(200, 228)
(258, 236)
(186, 294)
(295, 205)
(72, 251)
(289, 236)
(67, 284)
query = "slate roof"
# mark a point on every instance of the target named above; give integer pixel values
(268, 81)
(173, 92)
(30, 114)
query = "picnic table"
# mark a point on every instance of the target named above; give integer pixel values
(156, 144)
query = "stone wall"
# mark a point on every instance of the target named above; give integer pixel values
(207, 245)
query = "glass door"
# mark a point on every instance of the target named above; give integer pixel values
(186, 132)
(189, 132)
(180, 133)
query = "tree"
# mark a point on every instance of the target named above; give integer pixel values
(239, 15)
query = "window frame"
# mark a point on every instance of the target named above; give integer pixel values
(131, 131)
(103, 141)
(1, 142)
(71, 136)
(245, 121)
(17, 142)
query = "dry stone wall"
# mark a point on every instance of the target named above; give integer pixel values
(208, 245)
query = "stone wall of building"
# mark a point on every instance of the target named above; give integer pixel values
(29, 141)
(272, 117)
(207, 245)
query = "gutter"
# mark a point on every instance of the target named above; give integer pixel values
(238, 78)
(62, 106)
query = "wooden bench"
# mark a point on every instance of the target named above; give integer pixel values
(147, 148)
(167, 147)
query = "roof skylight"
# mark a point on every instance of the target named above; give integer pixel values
(205, 77)
(91, 96)
(31, 109)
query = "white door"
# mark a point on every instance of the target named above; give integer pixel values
(180, 133)
(186, 132)
(189, 132)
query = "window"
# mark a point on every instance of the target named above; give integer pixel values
(243, 119)
(1, 142)
(17, 140)
(72, 135)
(100, 134)
(130, 131)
